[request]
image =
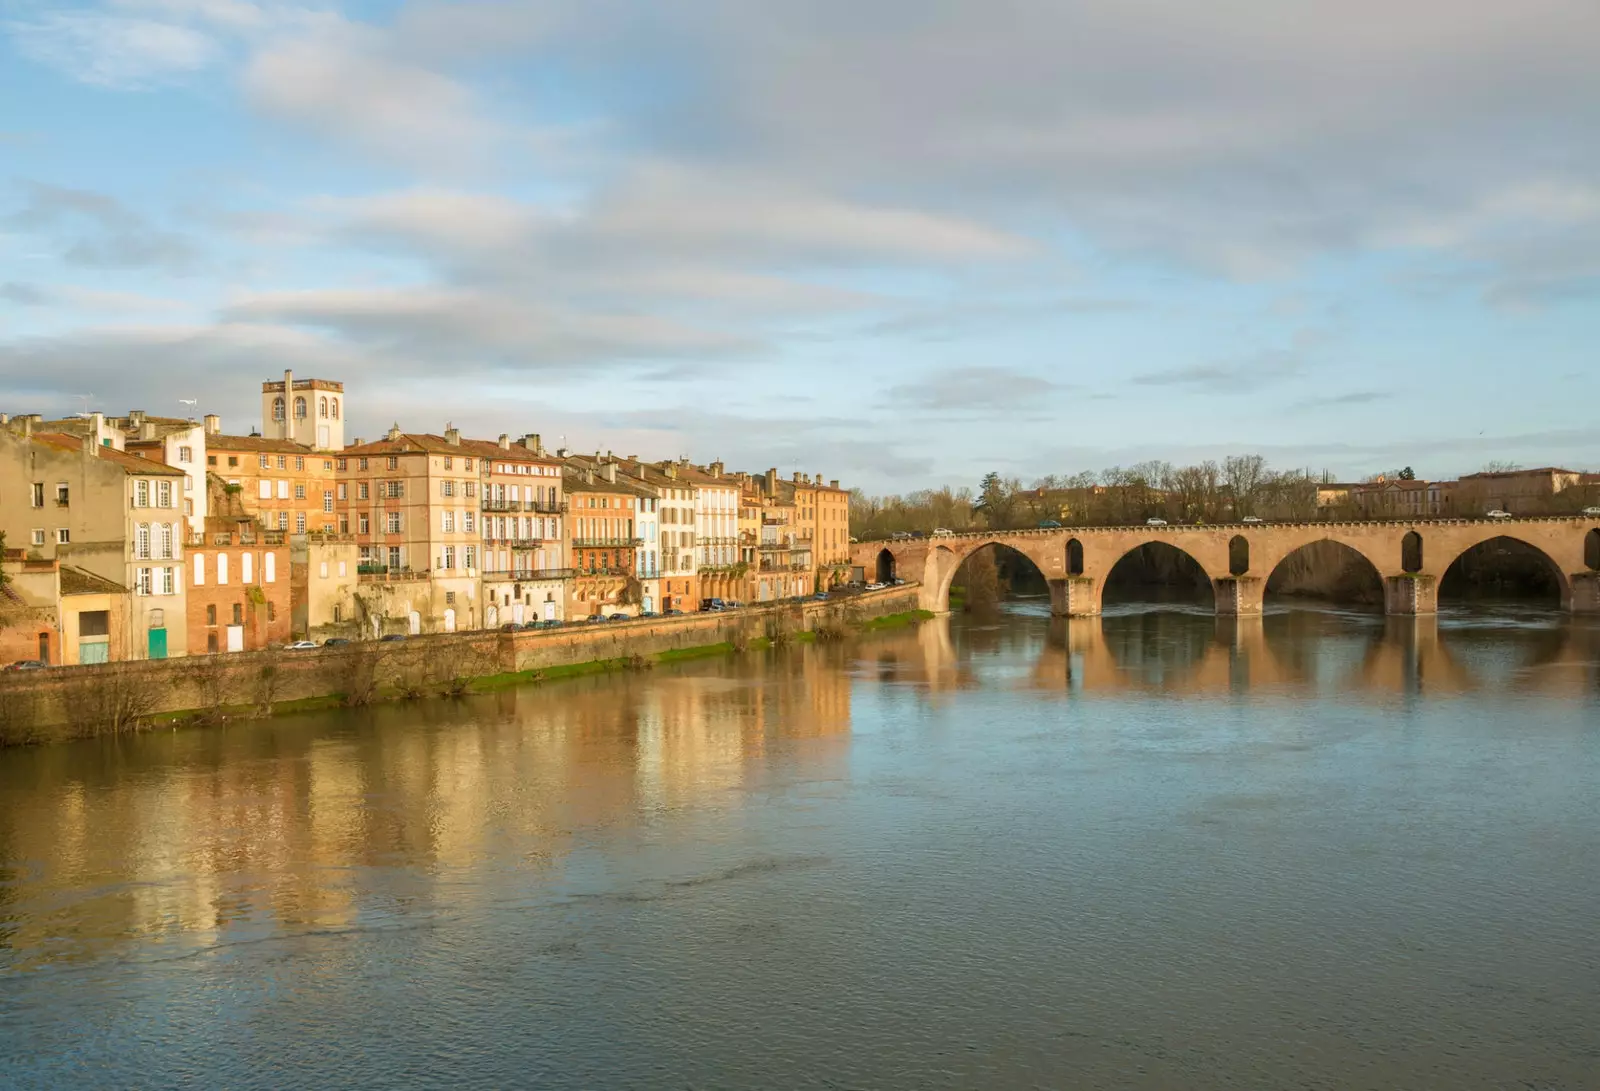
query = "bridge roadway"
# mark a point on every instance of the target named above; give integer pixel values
(1410, 557)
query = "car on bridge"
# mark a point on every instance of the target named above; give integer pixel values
(1154, 522)
(943, 532)
(1252, 519)
(1497, 514)
(1049, 524)
(1591, 511)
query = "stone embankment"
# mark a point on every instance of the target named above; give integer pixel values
(84, 701)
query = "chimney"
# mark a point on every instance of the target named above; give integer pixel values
(288, 405)
(147, 430)
(562, 452)
(532, 442)
(135, 418)
(394, 432)
(358, 442)
(504, 441)
(834, 484)
(452, 435)
(670, 469)
(213, 424)
(716, 468)
(772, 481)
(611, 472)
(5, 419)
(631, 458)
(797, 477)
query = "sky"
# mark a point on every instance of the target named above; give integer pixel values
(899, 243)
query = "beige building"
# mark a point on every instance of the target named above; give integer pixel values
(305, 412)
(1544, 491)
(59, 614)
(324, 577)
(527, 573)
(109, 513)
(176, 441)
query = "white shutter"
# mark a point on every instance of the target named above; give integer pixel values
(222, 568)
(199, 569)
(269, 562)
(266, 489)
(247, 565)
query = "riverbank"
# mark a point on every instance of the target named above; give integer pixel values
(81, 702)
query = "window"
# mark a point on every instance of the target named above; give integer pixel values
(467, 521)
(283, 462)
(37, 537)
(277, 409)
(449, 560)
(392, 522)
(141, 541)
(447, 488)
(448, 522)
(394, 556)
(62, 536)
(361, 464)
(186, 454)
(449, 462)
(322, 408)
(61, 495)
(299, 522)
(361, 491)
(283, 520)
(233, 460)
(272, 611)
(466, 464)
(449, 598)
(142, 581)
(470, 557)
(264, 462)
(164, 538)
(394, 462)
(334, 405)
(222, 569)
(283, 490)
(299, 409)
(327, 500)
(199, 570)
(471, 489)
(168, 584)
(141, 494)
(238, 613)
(344, 464)
(396, 489)
(344, 493)
(363, 525)
(164, 494)
(211, 460)
(266, 489)
(269, 567)
(299, 462)
(247, 564)
(211, 615)
(299, 490)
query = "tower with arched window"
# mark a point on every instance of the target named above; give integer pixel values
(310, 412)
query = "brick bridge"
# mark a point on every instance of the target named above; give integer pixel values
(1409, 556)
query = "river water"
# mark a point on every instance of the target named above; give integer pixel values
(1319, 850)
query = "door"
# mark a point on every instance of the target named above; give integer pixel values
(414, 621)
(645, 605)
(516, 612)
(491, 615)
(44, 647)
(99, 652)
(236, 638)
(549, 610)
(449, 621)
(156, 644)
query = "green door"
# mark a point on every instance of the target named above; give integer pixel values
(158, 643)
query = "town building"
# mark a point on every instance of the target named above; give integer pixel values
(306, 412)
(1543, 491)
(239, 595)
(526, 571)
(716, 530)
(58, 614)
(604, 539)
(106, 512)
(284, 486)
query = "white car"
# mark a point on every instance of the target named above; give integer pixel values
(1498, 514)
(1153, 522)
(300, 646)
(943, 532)
(1591, 511)
(1252, 519)
(875, 587)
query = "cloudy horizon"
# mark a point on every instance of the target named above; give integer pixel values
(900, 244)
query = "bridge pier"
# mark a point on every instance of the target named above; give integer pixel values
(1411, 594)
(1075, 596)
(1585, 592)
(1239, 595)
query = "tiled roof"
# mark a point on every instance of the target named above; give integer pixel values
(126, 462)
(75, 581)
(260, 444)
(1518, 473)
(575, 480)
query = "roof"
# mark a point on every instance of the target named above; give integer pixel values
(259, 444)
(127, 463)
(574, 480)
(75, 581)
(1519, 473)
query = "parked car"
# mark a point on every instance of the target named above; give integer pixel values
(391, 638)
(1049, 524)
(900, 536)
(823, 595)
(1154, 522)
(943, 532)
(672, 613)
(708, 605)
(301, 646)
(896, 582)
(1591, 511)
(876, 586)
(1252, 519)
(594, 619)
(853, 540)
(335, 642)
(620, 617)
(647, 613)
(27, 665)
(1498, 514)
(510, 627)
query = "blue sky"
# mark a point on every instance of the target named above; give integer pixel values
(900, 243)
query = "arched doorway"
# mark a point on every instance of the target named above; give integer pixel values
(1327, 570)
(1074, 557)
(994, 574)
(1591, 550)
(885, 566)
(1504, 569)
(1158, 573)
(414, 622)
(449, 620)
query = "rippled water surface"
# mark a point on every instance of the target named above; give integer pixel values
(1319, 850)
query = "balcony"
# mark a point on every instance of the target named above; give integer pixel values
(616, 573)
(546, 507)
(501, 505)
(607, 543)
(383, 574)
(526, 575)
(775, 547)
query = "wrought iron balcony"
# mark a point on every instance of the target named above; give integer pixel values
(546, 507)
(607, 543)
(501, 505)
(525, 575)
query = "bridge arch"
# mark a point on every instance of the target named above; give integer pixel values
(1238, 555)
(1327, 568)
(885, 565)
(1591, 550)
(944, 563)
(1075, 556)
(1535, 564)
(1411, 552)
(1176, 568)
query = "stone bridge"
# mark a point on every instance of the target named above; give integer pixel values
(1410, 557)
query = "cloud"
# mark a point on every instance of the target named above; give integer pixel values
(114, 51)
(1272, 366)
(94, 230)
(1334, 401)
(968, 391)
(85, 299)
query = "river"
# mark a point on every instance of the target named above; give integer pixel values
(1318, 850)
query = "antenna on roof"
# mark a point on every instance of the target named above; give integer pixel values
(86, 399)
